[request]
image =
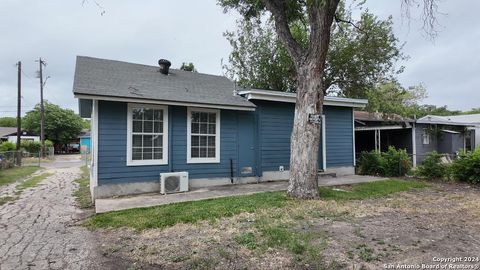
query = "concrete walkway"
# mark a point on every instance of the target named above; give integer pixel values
(153, 199)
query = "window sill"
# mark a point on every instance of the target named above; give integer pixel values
(202, 160)
(147, 162)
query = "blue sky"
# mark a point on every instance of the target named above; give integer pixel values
(191, 31)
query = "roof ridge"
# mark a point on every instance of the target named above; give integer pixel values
(145, 65)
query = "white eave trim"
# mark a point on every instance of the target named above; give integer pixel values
(161, 102)
(381, 128)
(291, 98)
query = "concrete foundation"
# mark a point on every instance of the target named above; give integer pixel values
(111, 190)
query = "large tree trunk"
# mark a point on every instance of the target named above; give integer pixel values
(305, 139)
(309, 64)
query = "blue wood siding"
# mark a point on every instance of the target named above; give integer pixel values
(112, 154)
(273, 126)
(275, 123)
(339, 139)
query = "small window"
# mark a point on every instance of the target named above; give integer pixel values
(426, 136)
(203, 136)
(147, 135)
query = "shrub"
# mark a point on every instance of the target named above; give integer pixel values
(467, 167)
(432, 166)
(391, 163)
(395, 162)
(7, 146)
(48, 144)
(31, 146)
(370, 163)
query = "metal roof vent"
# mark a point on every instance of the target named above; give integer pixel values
(164, 66)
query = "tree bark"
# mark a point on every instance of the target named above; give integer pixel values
(305, 140)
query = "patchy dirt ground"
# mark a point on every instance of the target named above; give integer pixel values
(442, 221)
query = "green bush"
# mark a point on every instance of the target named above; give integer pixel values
(48, 144)
(432, 166)
(391, 163)
(370, 163)
(467, 167)
(31, 146)
(395, 162)
(7, 146)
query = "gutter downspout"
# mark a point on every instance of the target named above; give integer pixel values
(414, 145)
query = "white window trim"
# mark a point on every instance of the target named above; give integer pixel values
(426, 138)
(162, 161)
(189, 136)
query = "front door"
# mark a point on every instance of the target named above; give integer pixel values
(246, 144)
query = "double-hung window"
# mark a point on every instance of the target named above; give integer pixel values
(147, 128)
(203, 135)
(426, 136)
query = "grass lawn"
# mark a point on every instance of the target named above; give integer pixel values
(212, 209)
(12, 175)
(82, 194)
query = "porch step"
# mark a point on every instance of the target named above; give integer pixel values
(327, 174)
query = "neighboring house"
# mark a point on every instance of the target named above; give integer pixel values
(378, 131)
(85, 141)
(445, 134)
(146, 122)
(10, 134)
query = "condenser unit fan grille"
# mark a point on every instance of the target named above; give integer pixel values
(172, 183)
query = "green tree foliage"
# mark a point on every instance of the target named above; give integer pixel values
(31, 146)
(188, 67)
(86, 124)
(358, 57)
(392, 98)
(61, 125)
(8, 122)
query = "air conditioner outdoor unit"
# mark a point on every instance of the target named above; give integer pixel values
(173, 182)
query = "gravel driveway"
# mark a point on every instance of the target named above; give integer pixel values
(38, 230)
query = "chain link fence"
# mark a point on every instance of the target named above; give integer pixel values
(11, 159)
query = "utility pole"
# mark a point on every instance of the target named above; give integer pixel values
(42, 109)
(19, 113)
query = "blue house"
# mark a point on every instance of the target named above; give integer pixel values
(148, 120)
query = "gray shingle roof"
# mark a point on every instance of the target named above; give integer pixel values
(100, 77)
(5, 131)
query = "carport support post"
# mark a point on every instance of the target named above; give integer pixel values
(414, 146)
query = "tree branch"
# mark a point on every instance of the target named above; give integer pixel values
(339, 20)
(278, 10)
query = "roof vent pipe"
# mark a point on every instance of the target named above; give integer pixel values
(164, 66)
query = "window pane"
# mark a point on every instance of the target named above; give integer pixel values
(194, 152)
(137, 126)
(137, 114)
(211, 129)
(195, 128)
(147, 153)
(148, 126)
(195, 117)
(158, 127)
(148, 114)
(212, 117)
(158, 153)
(137, 154)
(203, 117)
(158, 115)
(147, 140)
(203, 128)
(211, 140)
(195, 141)
(158, 140)
(203, 141)
(137, 141)
(211, 152)
(203, 152)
